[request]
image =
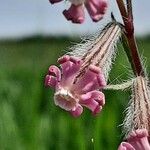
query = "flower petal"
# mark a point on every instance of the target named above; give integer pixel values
(91, 80)
(96, 9)
(50, 81)
(70, 67)
(55, 71)
(77, 112)
(75, 13)
(93, 100)
(126, 146)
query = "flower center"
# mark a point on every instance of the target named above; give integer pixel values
(65, 99)
(65, 94)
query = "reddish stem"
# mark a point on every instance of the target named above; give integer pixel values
(127, 17)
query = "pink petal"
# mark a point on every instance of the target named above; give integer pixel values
(55, 71)
(96, 9)
(75, 13)
(77, 112)
(93, 106)
(95, 95)
(93, 100)
(54, 1)
(139, 133)
(101, 80)
(70, 67)
(100, 77)
(50, 81)
(99, 97)
(89, 81)
(126, 146)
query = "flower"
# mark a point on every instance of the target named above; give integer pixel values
(137, 140)
(84, 73)
(71, 95)
(95, 8)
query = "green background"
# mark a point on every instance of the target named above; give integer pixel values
(29, 120)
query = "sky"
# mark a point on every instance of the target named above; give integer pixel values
(21, 18)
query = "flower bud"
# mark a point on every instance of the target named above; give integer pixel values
(138, 112)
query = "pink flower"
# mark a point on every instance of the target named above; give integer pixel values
(72, 93)
(84, 73)
(137, 140)
(95, 8)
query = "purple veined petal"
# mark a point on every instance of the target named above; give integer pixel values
(126, 146)
(75, 13)
(50, 81)
(55, 71)
(77, 112)
(96, 9)
(55, 1)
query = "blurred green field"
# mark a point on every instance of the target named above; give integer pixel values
(29, 120)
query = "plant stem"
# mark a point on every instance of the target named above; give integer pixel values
(129, 8)
(135, 56)
(127, 16)
(122, 9)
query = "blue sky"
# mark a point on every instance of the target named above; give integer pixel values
(28, 17)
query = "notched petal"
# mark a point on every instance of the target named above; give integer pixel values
(55, 71)
(77, 112)
(50, 81)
